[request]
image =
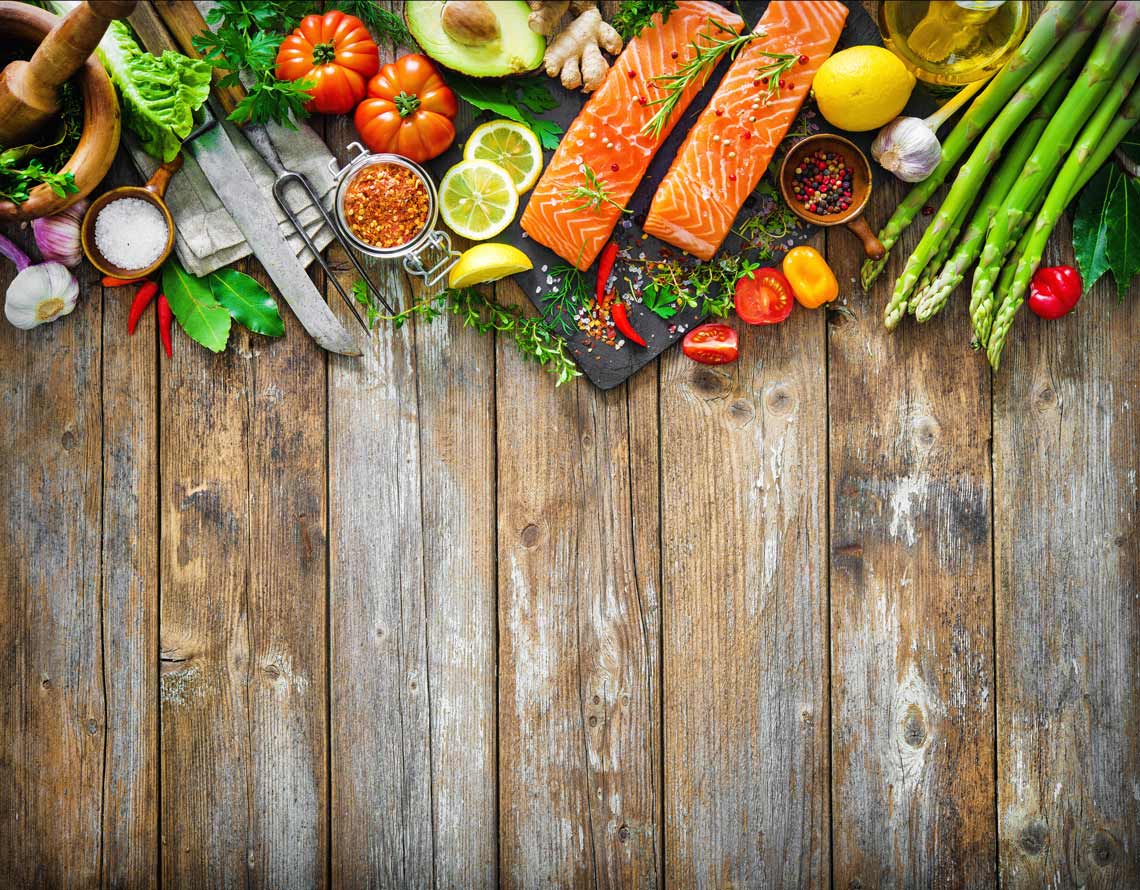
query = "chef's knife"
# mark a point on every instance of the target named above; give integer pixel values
(255, 215)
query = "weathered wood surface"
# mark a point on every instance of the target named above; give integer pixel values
(272, 619)
(744, 568)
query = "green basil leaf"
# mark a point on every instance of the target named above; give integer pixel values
(198, 313)
(1124, 242)
(247, 302)
(1091, 227)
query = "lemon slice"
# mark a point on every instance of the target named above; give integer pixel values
(512, 146)
(487, 262)
(477, 199)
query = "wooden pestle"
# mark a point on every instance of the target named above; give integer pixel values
(29, 90)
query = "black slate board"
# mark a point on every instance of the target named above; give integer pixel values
(607, 366)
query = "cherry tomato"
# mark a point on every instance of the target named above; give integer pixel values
(766, 298)
(711, 344)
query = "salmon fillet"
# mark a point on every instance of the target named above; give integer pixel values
(732, 142)
(607, 135)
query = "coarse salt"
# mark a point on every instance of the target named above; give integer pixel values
(130, 233)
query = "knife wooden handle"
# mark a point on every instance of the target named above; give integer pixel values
(181, 19)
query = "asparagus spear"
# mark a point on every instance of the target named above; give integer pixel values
(1058, 19)
(932, 268)
(1113, 55)
(983, 159)
(1106, 130)
(929, 302)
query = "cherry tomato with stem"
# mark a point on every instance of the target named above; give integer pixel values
(711, 344)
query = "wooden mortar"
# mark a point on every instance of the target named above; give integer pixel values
(99, 141)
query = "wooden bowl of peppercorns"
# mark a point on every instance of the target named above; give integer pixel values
(826, 180)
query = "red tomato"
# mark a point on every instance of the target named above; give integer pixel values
(765, 298)
(408, 111)
(711, 344)
(335, 52)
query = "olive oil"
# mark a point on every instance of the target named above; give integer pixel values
(953, 42)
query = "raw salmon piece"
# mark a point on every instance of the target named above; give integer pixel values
(733, 140)
(607, 134)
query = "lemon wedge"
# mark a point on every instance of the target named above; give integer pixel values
(477, 199)
(512, 146)
(487, 262)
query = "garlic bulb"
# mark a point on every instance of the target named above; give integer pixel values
(38, 293)
(41, 293)
(57, 237)
(908, 148)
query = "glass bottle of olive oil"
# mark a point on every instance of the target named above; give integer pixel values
(953, 42)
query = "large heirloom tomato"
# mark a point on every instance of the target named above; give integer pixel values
(336, 54)
(408, 111)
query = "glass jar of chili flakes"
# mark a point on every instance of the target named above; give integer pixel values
(387, 206)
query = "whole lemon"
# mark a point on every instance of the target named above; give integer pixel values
(862, 88)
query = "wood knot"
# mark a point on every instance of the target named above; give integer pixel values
(1045, 399)
(708, 382)
(587, 440)
(1103, 848)
(926, 431)
(593, 721)
(1034, 837)
(742, 410)
(623, 833)
(45, 683)
(272, 671)
(855, 884)
(67, 440)
(778, 400)
(530, 535)
(914, 726)
(92, 726)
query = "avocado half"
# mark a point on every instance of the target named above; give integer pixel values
(476, 37)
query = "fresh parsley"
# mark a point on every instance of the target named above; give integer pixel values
(517, 99)
(245, 41)
(633, 16)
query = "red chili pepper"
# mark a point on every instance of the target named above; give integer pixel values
(621, 322)
(112, 281)
(605, 267)
(1055, 290)
(165, 319)
(142, 300)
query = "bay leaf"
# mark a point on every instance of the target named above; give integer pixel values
(247, 302)
(1123, 214)
(201, 316)
(1091, 227)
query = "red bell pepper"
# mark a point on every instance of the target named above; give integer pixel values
(605, 267)
(142, 300)
(1055, 290)
(165, 320)
(621, 322)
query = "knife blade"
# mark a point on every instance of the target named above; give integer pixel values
(256, 217)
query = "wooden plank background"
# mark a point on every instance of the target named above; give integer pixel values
(852, 612)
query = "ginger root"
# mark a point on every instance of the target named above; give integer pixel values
(575, 55)
(545, 15)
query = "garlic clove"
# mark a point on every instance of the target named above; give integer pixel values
(908, 148)
(57, 237)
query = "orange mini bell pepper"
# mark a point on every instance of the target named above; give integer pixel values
(811, 278)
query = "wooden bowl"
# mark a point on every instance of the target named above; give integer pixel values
(852, 217)
(101, 123)
(152, 193)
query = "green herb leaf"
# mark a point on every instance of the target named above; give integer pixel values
(383, 23)
(1106, 228)
(657, 299)
(247, 302)
(633, 16)
(1124, 242)
(514, 100)
(198, 313)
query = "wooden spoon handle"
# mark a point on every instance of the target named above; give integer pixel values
(160, 179)
(872, 246)
(69, 45)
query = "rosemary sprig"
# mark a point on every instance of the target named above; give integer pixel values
(705, 58)
(780, 65)
(531, 336)
(593, 194)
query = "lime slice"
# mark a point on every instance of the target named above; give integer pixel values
(477, 199)
(512, 146)
(488, 262)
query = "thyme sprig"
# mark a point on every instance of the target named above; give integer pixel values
(704, 60)
(593, 194)
(532, 337)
